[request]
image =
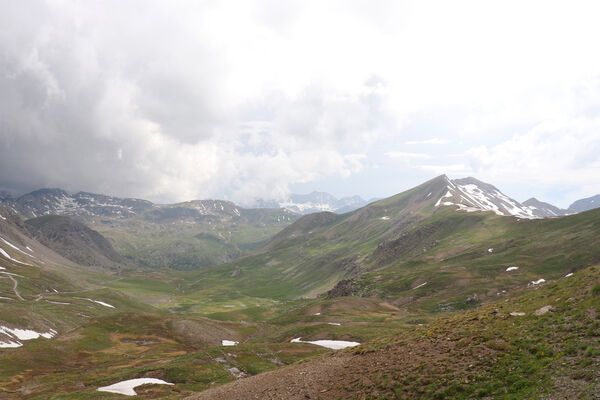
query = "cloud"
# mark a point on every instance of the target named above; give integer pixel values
(429, 141)
(172, 101)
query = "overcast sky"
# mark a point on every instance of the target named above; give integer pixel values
(176, 100)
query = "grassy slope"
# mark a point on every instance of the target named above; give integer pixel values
(487, 352)
(416, 243)
(482, 353)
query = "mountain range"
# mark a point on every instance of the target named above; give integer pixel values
(450, 289)
(466, 193)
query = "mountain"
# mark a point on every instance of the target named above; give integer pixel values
(585, 204)
(315, 202)
(186, 235)
(81, 206)
(470, 194)
(442, 234)
(446, 302)
(543, 210)
(74, 241)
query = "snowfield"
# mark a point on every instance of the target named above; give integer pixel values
(126, 387)
(330, 344)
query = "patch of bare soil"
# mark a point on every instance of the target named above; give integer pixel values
(346, 375)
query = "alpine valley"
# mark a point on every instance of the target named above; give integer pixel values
(449, 290)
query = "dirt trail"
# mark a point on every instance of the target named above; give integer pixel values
(15, 287)
(299, 381)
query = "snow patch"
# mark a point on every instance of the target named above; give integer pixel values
(490, 250)
(569, 274)
(330, 344)
(24, 334)
(126, 387)
(511, 269)
(5, 254)
(385, 218)
(421, 285)
(57, 302)
(99, 302)
(541, 280)
(317, 313)
(2, 218)
(517, 314)
(15, 247)
(228, 343)
(334, 323)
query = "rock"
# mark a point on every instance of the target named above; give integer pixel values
(543, 310)
(473, 298)
(345, 287)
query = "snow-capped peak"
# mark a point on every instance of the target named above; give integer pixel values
(470, 195)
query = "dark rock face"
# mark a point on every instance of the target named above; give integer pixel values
(345, 287)
(74, 241)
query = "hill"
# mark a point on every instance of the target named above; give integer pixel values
(74, 241)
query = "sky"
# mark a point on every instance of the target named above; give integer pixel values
(240, 100)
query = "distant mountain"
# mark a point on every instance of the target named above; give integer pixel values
(543, 210)
(82, 206)
(589, 203)
(315, 202)
(185, 235)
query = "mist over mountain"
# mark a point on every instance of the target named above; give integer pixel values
(315, 202)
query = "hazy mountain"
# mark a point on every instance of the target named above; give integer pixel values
(586, 204)
(315, 202)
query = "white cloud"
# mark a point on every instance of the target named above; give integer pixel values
(429, 141)
(407, 156)
(182, 100)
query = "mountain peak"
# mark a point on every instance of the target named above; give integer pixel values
(470, 195)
